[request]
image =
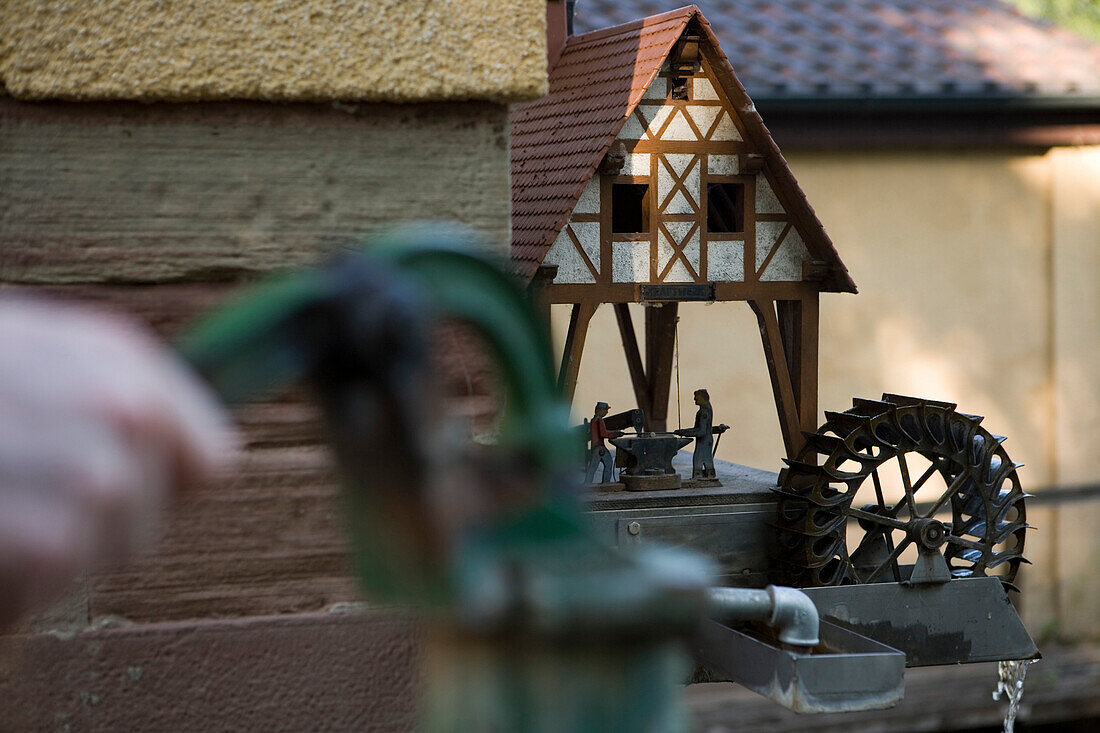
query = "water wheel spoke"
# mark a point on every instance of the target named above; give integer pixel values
(903, 467)
(888, 536)
(894, 552)
(926, 475)
(881, 519)
(891, 561)
(963, 542)
(878, 489)
(956, 483)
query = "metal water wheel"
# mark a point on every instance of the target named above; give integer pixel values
(959, 493)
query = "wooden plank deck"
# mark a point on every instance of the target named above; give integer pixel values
(359, 672)
(1061, 688)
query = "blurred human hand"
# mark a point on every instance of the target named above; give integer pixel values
(99, 426)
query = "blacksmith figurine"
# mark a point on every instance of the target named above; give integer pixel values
(702, 460)
(600, 452)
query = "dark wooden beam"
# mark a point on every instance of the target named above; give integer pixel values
(862, 129)
(574, 346)
(798, 326)
(540, 291)
(633, 357)
(569, 293)
(660, 344)
(782, 387)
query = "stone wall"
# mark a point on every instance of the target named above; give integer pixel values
(165, 211)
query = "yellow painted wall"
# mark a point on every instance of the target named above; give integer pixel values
(288, 50)
(979, 277)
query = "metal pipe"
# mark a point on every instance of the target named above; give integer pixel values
(788, 610)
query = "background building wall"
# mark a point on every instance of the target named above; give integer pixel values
(138, 193)
(978, 275)
(164, 211)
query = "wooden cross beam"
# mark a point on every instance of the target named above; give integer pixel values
(660, 345)
(789, 334)
(652, 382)
(579, 319)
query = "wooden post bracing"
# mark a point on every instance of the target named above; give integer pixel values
(660, 343)
(633, 357)
(579, 319)
(778, 360)
(540, 291)
(798, 326)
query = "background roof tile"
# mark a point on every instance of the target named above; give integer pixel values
(884, 48)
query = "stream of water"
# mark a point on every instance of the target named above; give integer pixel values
(1011, 684)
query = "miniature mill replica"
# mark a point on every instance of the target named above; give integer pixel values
(645, 176)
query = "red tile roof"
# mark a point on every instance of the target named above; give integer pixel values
(559, 141)
(784, 49)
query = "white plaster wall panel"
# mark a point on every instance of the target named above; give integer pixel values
(680, 229)
(655, 116)
(725, 261)
(767, 237)
(679, 274)
(679, 163)
(665, 249)
(637, 164)
(657, 90)
(691, 251)
(703, 117)
(766, 200)
(723, 165)
(589, 202)
(630, 262)
(664, 182)
(703, 89)
(679, 205)
(678, 129)
(632, 129)
(786, 266)
(588, 234)
(726, 130)
(571, 268)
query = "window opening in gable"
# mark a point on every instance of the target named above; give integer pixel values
(679, 88)
(629, 208)
(726, 207)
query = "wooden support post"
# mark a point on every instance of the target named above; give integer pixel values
(574, 345)
(798, 325)
(633, 357)
(540, 291)
(782, 387)
(660, 343)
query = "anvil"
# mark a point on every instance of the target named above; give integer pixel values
(647, 460)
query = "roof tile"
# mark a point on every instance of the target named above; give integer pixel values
(559, 140)
(892, 48)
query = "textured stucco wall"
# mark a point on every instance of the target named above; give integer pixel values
(382, 50)
(978, 278)
(131, 192)
(1075, 224)
(160, 210)
(306, 672)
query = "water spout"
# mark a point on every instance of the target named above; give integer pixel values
(1011, 684)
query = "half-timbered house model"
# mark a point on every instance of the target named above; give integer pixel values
(647, 176)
